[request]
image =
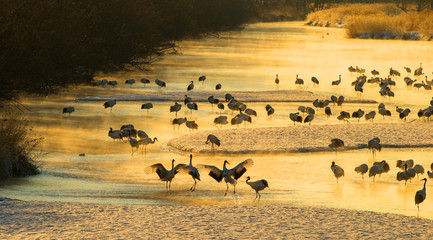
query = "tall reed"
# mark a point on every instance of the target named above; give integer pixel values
(377, 21)
(17, 143)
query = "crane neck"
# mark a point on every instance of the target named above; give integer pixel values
(224, 166)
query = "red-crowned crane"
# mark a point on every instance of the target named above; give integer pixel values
(110, 104)
(258, 186)
(191, 170)
(213, 140)
(164, 174)
(229, 175)
(421, 194)
(69, 110)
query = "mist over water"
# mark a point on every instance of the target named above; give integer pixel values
(241, 61)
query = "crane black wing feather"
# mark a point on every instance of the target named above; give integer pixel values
(195, 174)
(265, 183)
(214, 172)
(158, 168)
(241, 168)
(419, 198)
(179, 166)
(191, 170)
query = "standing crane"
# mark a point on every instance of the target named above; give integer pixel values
(110, 104)
(190, 86)
(374, 145)
(362, 169)
(299, 81)
(146, 141)
(337, 170)
(421, 194)
(213, 140)
(258, 186)
(175, 108)
(201, 79)
(69, 110)
(160, 83)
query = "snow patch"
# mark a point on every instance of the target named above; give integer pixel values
(301, 138)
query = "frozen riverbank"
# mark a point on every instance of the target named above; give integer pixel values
(307, 137)
(34, 220)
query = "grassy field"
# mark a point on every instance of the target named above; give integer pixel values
(378, 21)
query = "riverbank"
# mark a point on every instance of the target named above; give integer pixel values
(307, 138)
(376, 21)
(35, 220)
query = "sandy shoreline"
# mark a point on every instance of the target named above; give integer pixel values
(32, 219)
(306, 138)
(245, 96)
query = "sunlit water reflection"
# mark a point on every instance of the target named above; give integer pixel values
(246, 60)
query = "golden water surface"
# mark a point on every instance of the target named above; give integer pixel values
(245, 60)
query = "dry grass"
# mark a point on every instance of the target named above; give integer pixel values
(17, 145)
(377, 21)
(343, 14)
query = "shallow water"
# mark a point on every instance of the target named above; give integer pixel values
(247, 60)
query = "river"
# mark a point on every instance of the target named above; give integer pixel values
(245, 60)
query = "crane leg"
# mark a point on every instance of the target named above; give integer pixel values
(234, 187)
(225, 194)
(192, 189)
(259, 197)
